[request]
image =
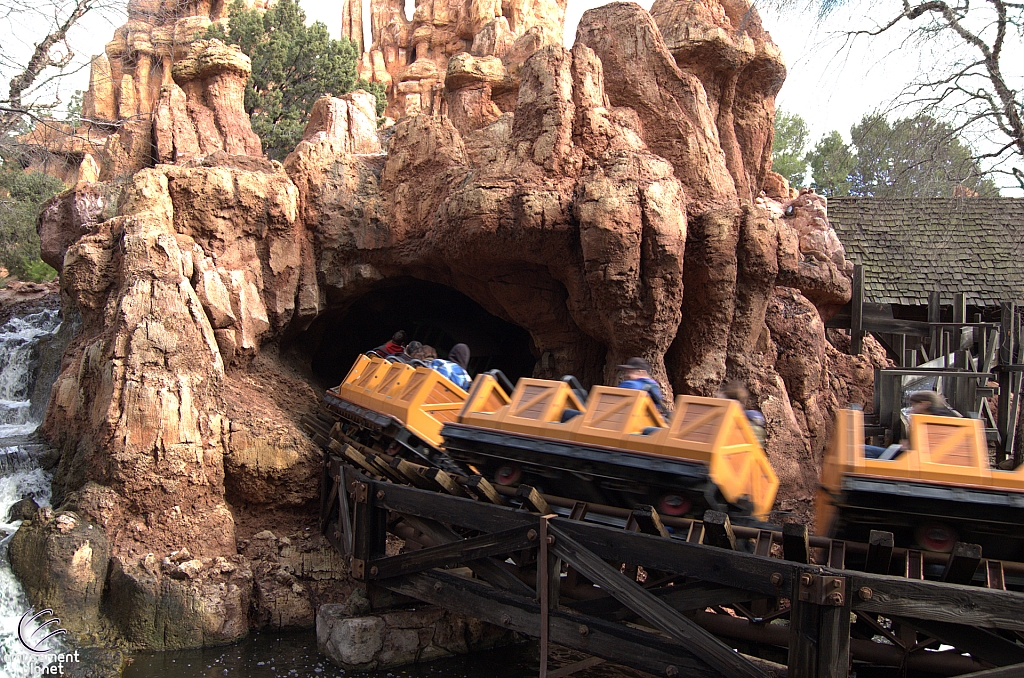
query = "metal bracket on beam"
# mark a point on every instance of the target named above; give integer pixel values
(362, 493)
(822, 590)
(358, 569)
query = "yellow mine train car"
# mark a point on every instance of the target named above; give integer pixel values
(617, 450)
(939, 491)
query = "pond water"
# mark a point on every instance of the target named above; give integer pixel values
(294, 655)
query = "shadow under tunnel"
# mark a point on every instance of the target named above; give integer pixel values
(433, 314)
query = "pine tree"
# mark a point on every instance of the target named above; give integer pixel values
(788, 148)
(293, 65)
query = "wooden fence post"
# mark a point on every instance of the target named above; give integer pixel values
(1006, 342)
(819, 627)
(857, 310)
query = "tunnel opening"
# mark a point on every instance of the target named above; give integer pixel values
(433, 314)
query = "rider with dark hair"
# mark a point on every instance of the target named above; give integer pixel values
(395, 346)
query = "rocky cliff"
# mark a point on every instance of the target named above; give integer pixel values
(604, 201)
(140, 72)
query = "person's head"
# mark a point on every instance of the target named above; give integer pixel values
(635, 368)
(412, 347)
(460, 355)
(400, 338)
(427, 353)
(922, 402)
(736, 390)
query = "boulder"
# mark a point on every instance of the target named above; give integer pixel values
(62, 560)
(381, 641)
(23, 509)
(167, 612)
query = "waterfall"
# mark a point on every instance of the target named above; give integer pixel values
(22, 343)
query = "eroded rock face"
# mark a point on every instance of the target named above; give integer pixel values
(188, 122)
(606, 199)
(61, 559)
(411, 57)
(179, 603)
(148, 54)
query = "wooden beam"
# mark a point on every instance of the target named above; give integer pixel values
(411, 473)
(696, 532)
(369, 530)
(994, 577)
(728, 568)
(345, 514)
(482, 487)
(718, 530)
(857, 310)
(694, 595)
(446, 481)
(880, 546)
(962, 564)
(576, 667)
(614, 642)
(819, 638)
(454, 553)
(763, 547)
(452, 510)
(965, 605)
(795, 543)
(980, 643)
(578, 512)
(532, 499)
(1015, 671)
(913, 565)
(837, 555)
(649, 522)
(834, 640)
(543, 589)
(663, 617)
(803, 638)
(487, 569)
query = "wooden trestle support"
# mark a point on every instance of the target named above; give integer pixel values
(659, 594)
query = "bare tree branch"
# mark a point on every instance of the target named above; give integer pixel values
(42, 58)
(974, 92)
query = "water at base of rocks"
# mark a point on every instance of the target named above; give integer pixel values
(294, 655)
(20, 476)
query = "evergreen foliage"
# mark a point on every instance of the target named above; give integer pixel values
(293, 65)
(788, 157)
(914, 157)
(832, 161)
(22, 194)
(917, 157)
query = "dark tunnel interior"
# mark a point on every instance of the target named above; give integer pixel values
(430, 313)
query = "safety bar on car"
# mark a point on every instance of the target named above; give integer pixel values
(576, 387)
(503, 380)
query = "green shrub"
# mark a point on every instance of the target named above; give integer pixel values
(22, 194)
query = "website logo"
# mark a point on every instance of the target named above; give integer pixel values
(33, 637)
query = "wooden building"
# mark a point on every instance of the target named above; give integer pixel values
(939, 282)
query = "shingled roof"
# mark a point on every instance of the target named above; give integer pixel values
(907, 245)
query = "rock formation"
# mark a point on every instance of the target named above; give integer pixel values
(127, 86)
(606, 199)
(412, 57)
